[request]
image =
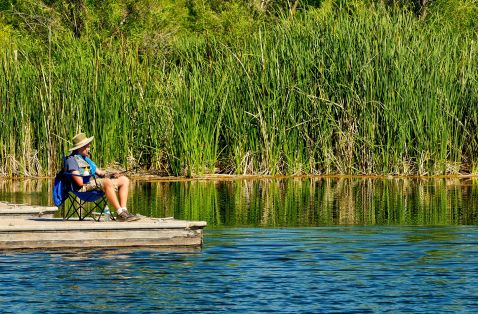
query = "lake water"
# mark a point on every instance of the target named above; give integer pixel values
(304, 246)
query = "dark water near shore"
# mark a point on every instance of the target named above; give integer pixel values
(314, 245)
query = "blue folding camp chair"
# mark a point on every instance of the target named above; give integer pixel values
(73, 203)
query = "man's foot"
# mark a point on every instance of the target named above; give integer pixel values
(126, 216)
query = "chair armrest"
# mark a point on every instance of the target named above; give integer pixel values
(86, 178)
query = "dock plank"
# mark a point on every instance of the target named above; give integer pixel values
(55, 233)
(24, 210)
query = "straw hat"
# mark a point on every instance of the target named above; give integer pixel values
(80, 140)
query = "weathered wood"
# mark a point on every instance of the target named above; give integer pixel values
(22, 210)
(40, 233)
(58, 224)
(169, 238)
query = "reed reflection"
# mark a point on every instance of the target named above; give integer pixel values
(291, 202)
(314, 201)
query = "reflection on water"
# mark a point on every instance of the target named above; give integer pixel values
(340, 269)
(351, 245)
(32, 191)
(291, 202)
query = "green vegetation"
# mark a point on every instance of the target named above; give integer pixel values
(257, 87)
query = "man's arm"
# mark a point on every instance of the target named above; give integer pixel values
(77, 179)
(72, 167)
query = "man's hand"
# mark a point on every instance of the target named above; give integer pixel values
(109, 175)
(114, 175)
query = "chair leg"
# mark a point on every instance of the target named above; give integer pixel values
(75, 205)
(101, 206)
(71, 209)
(97, 205)
(82, 213)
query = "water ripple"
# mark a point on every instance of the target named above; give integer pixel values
(330, 269)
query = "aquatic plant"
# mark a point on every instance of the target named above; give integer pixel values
(355, 89)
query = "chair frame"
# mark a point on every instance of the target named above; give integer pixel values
(78, 201)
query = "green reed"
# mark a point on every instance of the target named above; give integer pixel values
(373, 92)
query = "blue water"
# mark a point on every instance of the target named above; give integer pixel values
(340, 269)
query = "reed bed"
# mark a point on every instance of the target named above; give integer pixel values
(328, 92)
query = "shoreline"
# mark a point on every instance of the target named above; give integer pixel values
(227, 177)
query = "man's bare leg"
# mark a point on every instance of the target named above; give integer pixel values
(123, 189)
(111, 193)
(120, 206)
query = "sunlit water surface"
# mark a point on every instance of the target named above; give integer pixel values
(277, 245)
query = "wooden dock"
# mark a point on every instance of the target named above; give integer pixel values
(8, 210)
(29, 231)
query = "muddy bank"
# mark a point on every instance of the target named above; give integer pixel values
(226, 177)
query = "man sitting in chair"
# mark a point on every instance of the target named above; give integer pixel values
(78, 163)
